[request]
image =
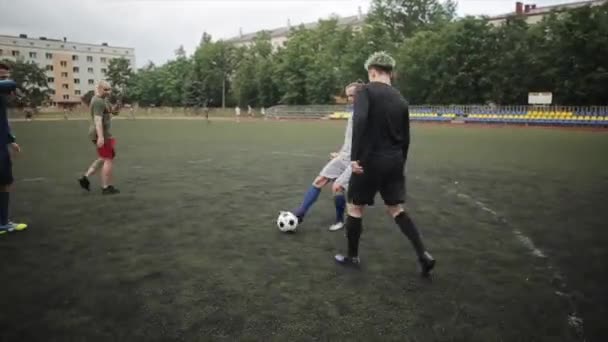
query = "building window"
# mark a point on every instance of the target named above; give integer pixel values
(77, 81)
(15, 53)
(63, 63)
(76, 69)
(50, 80)
(49, 55)
(1, 52)
(32, 43)
(33, 55)
(89, 58)
(104, 70)
(126, 52)
(74, 57)
(91, 81)
(65, 86)
(74, 46)
(52, 91)
(103, 60)
(64, 74)
(66, 97)
(90, 70)
(49, 67)
(76, 92)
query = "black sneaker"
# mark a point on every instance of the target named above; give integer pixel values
(347, 261)
(110, 190)
(427, 263)
(84, 183)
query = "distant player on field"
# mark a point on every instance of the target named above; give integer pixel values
(7, 140)
(337, 170)
(237, 113)
(381, 139)
(99, 134)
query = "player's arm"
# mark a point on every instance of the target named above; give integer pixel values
(7, 86)
(98, 108)
(360, 114)
(406, 131)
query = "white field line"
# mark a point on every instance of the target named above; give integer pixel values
(573, 320)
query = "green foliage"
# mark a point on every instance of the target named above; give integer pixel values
(119, 75)
(439, 60)
(31, 83)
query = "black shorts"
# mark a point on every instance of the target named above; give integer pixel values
(381, 173)
(6, 169)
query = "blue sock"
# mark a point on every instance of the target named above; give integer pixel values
(309, 199)
(3, 208)
(340, 201)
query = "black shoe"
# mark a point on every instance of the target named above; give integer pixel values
(347, 261)
(427, 263)
(84, 183)
(110, 190)
(300, 217)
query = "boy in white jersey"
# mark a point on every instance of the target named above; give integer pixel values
(337, 170)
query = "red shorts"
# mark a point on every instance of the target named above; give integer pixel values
(107, 150)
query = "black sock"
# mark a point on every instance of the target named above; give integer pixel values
(409, 229)
(353, 233)
(4, 208)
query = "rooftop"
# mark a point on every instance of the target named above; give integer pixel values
(532, 9)
(283, 31)
(64, 40)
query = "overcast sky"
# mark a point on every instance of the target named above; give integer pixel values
(155, 28)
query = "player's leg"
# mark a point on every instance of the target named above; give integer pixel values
(107, 153)
(339, 188)
(332, 170)
(6, 181)
(392, 191)
(361, 192)
(84, 180)
(310, 197)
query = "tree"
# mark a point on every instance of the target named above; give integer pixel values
(31, 82)
(175, 73)
(119, 75)
(513, 52)
(146, 85)
(401, 19)
(86, 98)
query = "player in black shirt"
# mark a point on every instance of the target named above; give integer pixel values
(381, 138)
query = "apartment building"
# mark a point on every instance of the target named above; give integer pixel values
(72, 69)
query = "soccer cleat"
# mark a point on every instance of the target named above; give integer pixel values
(427, 263)
(84, 183)
(347, 261)
(109, 190)
(12, 227)
(298, 215)
(336, 226)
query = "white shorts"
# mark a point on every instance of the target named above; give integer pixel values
(337, 170)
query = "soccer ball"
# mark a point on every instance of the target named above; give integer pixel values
(287, 222)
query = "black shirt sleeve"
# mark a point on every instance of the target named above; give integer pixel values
(406, 132)
(360, 115)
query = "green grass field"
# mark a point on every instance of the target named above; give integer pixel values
(190, 251)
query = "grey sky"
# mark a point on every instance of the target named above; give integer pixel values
(155, 28)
